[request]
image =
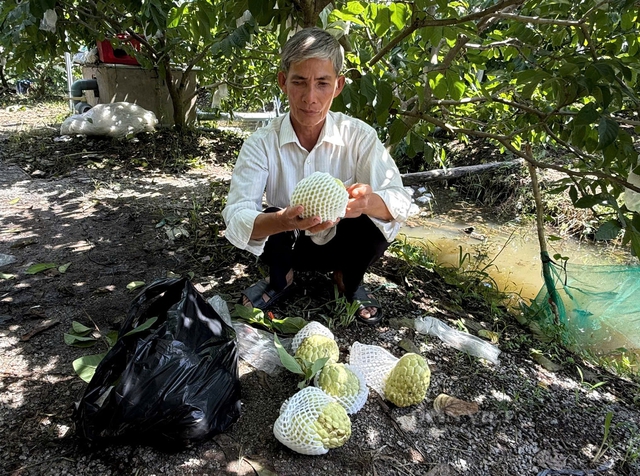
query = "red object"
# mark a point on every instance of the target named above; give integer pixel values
(108, 54)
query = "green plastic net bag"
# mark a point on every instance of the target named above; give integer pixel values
(599, 306)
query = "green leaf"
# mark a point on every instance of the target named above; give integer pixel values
(38, 268)
(382, 21)
(142, 327)
(80, 329)
(288, 325)
(384, 99)
(135, 285)
(554, 238)
(607, 132)
(455, 86)
(289, 362)
(587, 115)
(399, 14)
(7, 276)
(397, 131)
(79, 341)
(249, 314)
(112, 337)
(367, 88)
(573, 193)
(63, 269)
(317, 366)
(354, 8)
(609, 230)
(588, 201)
(86, 366)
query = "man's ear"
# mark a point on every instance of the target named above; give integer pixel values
(282, 81)
(339, 86)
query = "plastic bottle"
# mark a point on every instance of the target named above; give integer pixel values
(460, 340)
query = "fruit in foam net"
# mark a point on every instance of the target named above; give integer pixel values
(316, 347)
(321, 195)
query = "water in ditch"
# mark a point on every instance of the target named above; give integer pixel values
(509, 254)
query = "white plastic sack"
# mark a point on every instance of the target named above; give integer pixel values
(49, 20)
(118, 119)
(632, 198)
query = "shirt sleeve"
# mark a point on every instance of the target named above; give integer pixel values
(377, 168)
(244, 202)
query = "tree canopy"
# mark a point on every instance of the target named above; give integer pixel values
(525, 75)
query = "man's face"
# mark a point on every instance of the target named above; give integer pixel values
(310, 86)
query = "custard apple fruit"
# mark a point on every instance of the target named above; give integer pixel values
(408, 381)
(316, 347)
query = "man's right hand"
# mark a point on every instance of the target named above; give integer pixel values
(312, 224)
(287, 219)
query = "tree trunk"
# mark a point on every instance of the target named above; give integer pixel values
(310, 10)
(456, 172)
(175, 93)
(3, 79)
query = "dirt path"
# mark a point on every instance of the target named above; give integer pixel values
(114, 224)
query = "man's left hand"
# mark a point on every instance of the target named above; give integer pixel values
(359, 195)
(363, 201)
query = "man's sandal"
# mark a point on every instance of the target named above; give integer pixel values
(367, 299)
(256, 292)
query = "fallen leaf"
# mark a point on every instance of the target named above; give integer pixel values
(259, 468)
(453, 406)
(63, 269)
(41, 328)
(494, 337)
(105, 289)
(39, 267)
(546, 363)
(134, 285)
(408, 345)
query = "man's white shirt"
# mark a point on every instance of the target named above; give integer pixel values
(271, 162)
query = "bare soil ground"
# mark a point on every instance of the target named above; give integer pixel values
(117, 212)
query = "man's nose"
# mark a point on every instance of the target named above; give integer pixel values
(310, 94)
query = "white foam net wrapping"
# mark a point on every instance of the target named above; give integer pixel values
(313, 328)
(294, 427)
(352, 403)
(374, 362)
(321, 195)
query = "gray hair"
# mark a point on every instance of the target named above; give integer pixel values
(312, 43)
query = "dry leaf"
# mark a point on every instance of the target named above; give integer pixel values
(494, 337)
(453, 406)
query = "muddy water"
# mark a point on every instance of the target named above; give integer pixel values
(510, 255)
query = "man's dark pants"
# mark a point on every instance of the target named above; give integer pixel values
(358, 243)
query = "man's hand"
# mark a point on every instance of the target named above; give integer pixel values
(287, 219)
(292, 215)
(362, 201)
(359, 195)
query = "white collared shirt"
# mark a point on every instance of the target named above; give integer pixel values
(272, 160)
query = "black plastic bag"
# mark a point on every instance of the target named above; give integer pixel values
(171, 384)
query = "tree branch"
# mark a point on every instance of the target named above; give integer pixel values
(506, 142)
(418, 23)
